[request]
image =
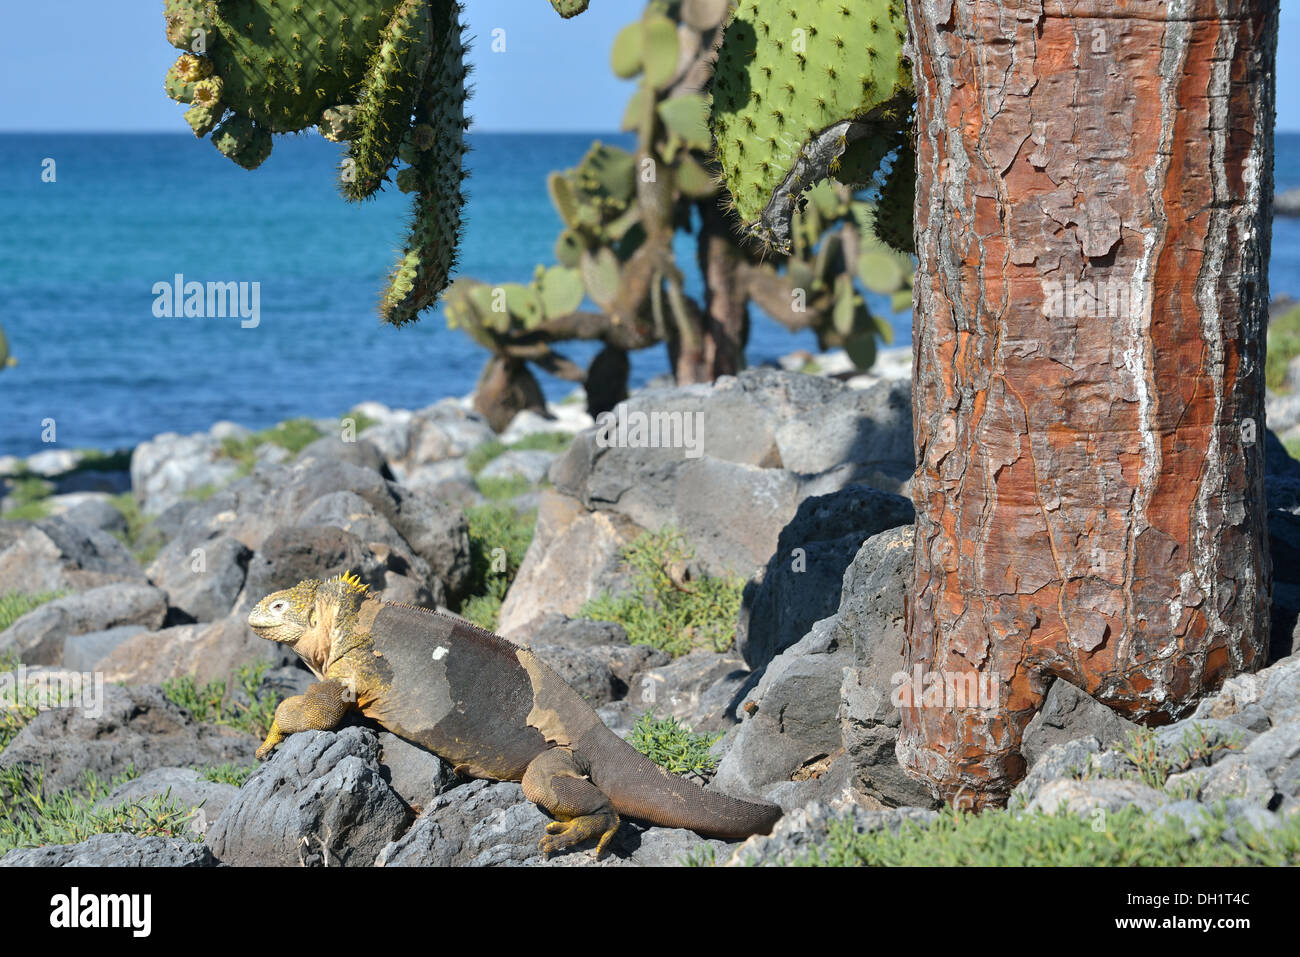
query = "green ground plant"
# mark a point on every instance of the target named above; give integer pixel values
(1283, 346)
(228, 773)
(479, 456)
(218, 702)
(13, 605)
(498, 538)
(661, 609)
(27, 497)
(293, 435)
(30, 818)
(1128, 838)
(141, 537)
(22, 707)
(673, 746)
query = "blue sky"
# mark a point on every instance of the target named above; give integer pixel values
(65, 65)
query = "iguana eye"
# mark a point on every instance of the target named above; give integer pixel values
(277, 607)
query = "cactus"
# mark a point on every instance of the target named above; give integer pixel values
(621, 211)
(368, 73)
(795, 100)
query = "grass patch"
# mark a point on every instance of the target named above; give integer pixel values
(1292, 447)
(218, 703)
(15, 713)
(293, 435)
(13, 605)
(29, 818)
(27, 499)
(1128, 838)
(360, 421)
(503, 488)
(1283, 346)
(228, 773)
(481, 455)
(141, 538)
(661, 610)
(673, 746)
(498, 539)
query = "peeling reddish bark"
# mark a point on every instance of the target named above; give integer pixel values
(1089, 494)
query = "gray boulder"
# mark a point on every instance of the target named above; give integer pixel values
(802, 582)
(169, 467)
(790, 735)
(115, 850)
(290, 555)
(83, 652)
(870, 622)
(97, 513)
(359, 452)
(486, 824)
(129, 727)
(320, 801)
(57, 555)
(699, 689)
(574, 556)
(1069, 713)
(599, 673)
(203, 583)
(418, 776)
(38, 637)
(767, 440)
(557, 629)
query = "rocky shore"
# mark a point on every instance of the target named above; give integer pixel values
(771, 661)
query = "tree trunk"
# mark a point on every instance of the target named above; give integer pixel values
(720, 258)
(1092, 226)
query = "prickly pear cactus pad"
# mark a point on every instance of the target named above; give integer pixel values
(385, 76)
(797, 83)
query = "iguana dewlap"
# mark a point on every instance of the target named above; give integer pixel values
(487, 706)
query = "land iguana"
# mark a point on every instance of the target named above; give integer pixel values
(486, 705)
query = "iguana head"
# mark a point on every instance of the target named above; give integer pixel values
(286, 616)
(307, 610)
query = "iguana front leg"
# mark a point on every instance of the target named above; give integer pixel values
(555, 781)
(319, 708)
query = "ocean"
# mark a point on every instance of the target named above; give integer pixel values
(80, 257)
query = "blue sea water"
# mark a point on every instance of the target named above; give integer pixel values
(79, 258)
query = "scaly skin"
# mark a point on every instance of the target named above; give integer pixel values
(487, 706)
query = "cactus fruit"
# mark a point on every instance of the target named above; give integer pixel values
(243, 141)
(569, 8)
(203, 119)
(792, 91)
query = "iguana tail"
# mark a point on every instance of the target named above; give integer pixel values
(639, 788)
